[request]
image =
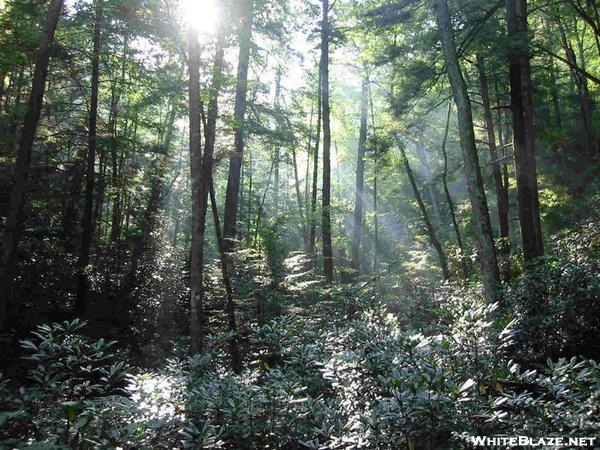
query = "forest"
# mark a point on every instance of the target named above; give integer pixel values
(299, 224)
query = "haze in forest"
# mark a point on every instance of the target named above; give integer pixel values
(291, 224)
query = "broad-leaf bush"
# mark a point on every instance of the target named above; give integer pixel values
(356, 370)
(558, 301)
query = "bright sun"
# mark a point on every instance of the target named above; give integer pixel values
(203, 15)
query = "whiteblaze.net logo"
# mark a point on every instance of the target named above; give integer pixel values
(527, 441)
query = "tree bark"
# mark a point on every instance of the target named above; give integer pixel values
(236, 158)
(18, 192)
(277, 150)
(375, 216)
(196, 310)
(307, 175)
(2, 86)
(504, 144)
(523, 139)
(88, 211)
(115, 231)
(481, 217)
(360, 180)
(501, 193)
(205, 178)
(326, 213)
(100, 191)
(313, 202)
(249, 212)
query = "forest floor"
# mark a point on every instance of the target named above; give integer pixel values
(358, 370)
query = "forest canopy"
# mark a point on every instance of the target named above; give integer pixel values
(291, 224)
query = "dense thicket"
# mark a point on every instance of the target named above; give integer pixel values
(298, 224)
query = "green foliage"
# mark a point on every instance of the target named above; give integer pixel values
(560, 399)
(76, 392)
(368, 383)
(353, 372)
(68, 365)
(558, 301)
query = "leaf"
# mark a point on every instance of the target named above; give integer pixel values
(467, 385)
(72, 409)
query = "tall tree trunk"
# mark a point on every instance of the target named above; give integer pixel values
(503, 141)
(428, 226)
(115, 230)
(528, 114)
(375, 196)
(210, 128)
(115, 227)
(307, 174)
(234, 350)
(501, 193)
(463, 256)
(523, 140)
(16, 203)
(88, 211)
(236, 158)
(313, 200)
(100, 191)
(276, 182)
(326, 231)
(196, 309)
(481, 217)
(249, 212)
(360, 179)
(2, 87)
(375, 217)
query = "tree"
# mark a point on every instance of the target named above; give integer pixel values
(360, 175)
(312, 238)
(326, 222)
(236, 158)
(88, 216)
(196, 311)
(459, 241)
(501, 190)
(582, 86)
(521, 104)
(202, 172)
(480, 213)
(426, 220)
(234, 350)
(19, 188)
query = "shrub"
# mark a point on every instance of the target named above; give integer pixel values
(558, 301)
(76, 392)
